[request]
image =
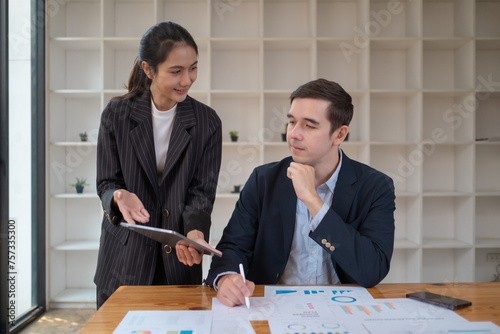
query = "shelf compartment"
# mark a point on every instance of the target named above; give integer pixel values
(400, 162)
(78, 245)
(81, 61)
(359, 128)
(446, 222)
(450, 18)
(67, 163)
(447, 64)
(202, 82)
(298, 18)
(487, 218)
(488, 116)
(238, 162)
(235, 65)
(335, 61)
(404, 113)
(485, 271)
(287, 64)
(124, 18)
(74, 18)
(74, 298)
(448, 118)
(72, 115)
(276, 107)
(395, 64)
(77, 196)
(192, 15)
(487, 14)
(447, 265)
(76, 221)
(340, 18)
(119, 58)
(487, 167)
(447, 168)
(240, 113)
(80, 276)
(235, 19)
(74, 286)
(394, 19)
(410, 272)
(487, 69)
(407, 221)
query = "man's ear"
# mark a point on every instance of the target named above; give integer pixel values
(147, 69)
(340, 134)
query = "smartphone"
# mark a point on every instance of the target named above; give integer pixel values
(439, 300)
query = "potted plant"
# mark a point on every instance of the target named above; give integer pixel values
(80, 184)
(234, 135)
(283, 135)
(83, 136)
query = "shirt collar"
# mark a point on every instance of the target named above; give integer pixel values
(332, 181)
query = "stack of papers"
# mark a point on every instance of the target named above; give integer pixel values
(307, 310)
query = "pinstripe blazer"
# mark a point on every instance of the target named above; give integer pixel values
(182, 202)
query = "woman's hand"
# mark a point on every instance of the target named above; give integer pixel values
(189, 255)
(130, 206)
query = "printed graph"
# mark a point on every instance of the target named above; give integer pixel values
(368, 309)
(313, 292)
(314, 327)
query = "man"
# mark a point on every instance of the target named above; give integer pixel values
(316, 217)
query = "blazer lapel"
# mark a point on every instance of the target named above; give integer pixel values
(141, 134)
(344, 190)
(180, 137)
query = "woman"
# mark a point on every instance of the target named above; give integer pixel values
(158, 161)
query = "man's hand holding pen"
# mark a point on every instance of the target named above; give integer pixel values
(233, 288)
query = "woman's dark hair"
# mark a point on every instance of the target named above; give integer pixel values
(340, 110)
(154, 49)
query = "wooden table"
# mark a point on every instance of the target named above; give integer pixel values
(485, 299)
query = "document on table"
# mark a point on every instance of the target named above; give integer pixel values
(171, 322)
(398, 327)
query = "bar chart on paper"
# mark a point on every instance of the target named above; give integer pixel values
(392, 310)
(334, 295)
(368, 309)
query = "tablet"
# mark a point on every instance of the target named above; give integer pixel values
(168, 237)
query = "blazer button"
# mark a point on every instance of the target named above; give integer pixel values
(166, 213)
(323, 241)
(332, 248)
(328, 245)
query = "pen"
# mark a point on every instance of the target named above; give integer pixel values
(242, 272)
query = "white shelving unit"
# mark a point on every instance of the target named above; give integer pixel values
(424, 79)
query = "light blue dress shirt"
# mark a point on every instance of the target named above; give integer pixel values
(309, 263)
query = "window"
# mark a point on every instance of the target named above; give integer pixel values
(22, 173)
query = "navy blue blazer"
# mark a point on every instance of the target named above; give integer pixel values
(182, 202)
(359, 225)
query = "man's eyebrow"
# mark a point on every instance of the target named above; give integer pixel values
(180, 66)
(311, 120)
